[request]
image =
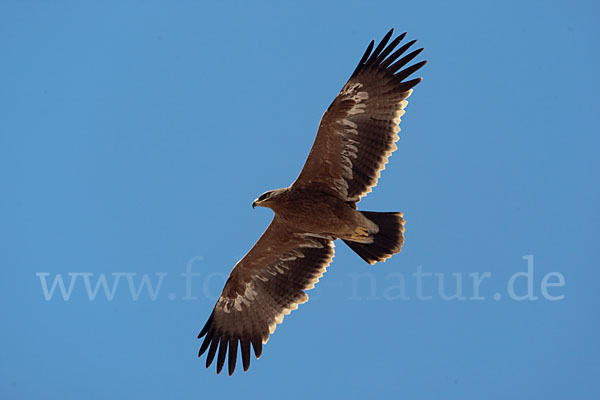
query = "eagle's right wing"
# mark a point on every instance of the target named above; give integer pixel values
(358, 131)
(264, 286)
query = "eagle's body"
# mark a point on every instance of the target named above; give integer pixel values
(329, 215)
(356, 136)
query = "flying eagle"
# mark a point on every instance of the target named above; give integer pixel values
(356, 136)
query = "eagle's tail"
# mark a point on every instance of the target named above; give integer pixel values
(386, 242)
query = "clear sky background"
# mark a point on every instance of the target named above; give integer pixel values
(135, 134)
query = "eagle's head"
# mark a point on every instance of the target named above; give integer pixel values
(267, 198)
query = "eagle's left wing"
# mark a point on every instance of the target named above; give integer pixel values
(358, 131)
(265, 285)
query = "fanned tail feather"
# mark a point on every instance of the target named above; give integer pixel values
(387, 242)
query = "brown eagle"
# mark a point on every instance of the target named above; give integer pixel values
(356, 136)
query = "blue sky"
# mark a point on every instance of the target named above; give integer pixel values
(134, 136)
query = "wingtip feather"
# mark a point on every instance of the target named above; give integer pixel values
(222, 353)
(204, 346)
(212, 351)
(233, 346)
(245, 344)
(364, 58)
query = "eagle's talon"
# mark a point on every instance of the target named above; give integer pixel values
(360, 233)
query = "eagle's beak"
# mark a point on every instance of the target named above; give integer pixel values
(254, 204)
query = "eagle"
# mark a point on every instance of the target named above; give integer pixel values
(356, 136)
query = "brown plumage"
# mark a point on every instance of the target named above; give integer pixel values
(356, 136)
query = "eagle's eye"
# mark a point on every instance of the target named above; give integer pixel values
(264, 196)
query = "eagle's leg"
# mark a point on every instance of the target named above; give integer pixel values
(359, 233)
